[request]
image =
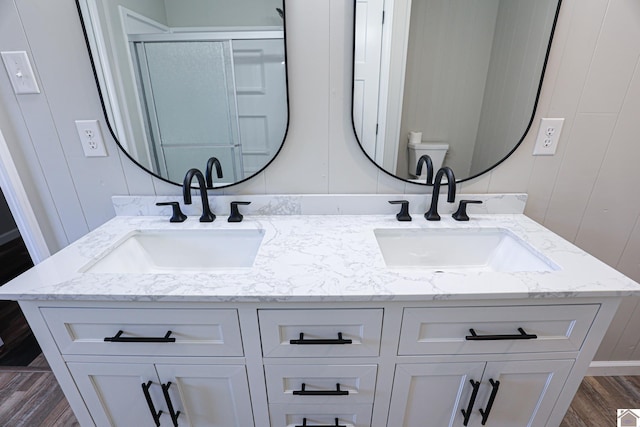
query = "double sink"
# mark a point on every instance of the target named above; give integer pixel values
(434, 250)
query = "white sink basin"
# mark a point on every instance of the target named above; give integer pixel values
(180, 251)
(449, 249)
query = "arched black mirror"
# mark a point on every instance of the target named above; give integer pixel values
(184, 81)
(458, 80)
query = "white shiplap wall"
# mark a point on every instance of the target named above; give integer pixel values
(586, 192)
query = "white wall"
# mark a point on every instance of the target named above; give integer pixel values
(586, 192)
(224, 13)
(447, 62)
(517, 57)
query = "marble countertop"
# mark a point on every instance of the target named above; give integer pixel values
(318, 258)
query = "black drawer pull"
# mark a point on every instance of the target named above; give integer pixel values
(472, 401)
(174, 415)
(522, 336)
(303, 341)
(304, 424)
(336, 392)
(494, 391)
(119, 338)
(152, 408)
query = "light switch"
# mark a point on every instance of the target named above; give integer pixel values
(20, 72)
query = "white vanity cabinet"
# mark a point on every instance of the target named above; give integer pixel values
(352, 364)
(520, 393)
(164, 366)
(311, 376)
(132, 394)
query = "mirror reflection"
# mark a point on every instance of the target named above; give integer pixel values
(457, 80)
(184, 81)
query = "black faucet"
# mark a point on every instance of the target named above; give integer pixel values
(426, 160)
(432, 213)
(207, 215)
(209, 171)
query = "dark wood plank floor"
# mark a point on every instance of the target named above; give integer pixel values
(20, 346)
(598, 398)
(31, 397)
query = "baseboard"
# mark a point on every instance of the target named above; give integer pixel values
(9, 236)
(611, 368)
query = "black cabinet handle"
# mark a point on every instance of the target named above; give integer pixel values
(304, 424)
(119, 338)
(494, 391)
(472, 401)
(522, 336)
(174, 415)
(336, 392)
(152, 408)
(303, 341)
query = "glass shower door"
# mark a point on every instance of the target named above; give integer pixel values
(188, 94)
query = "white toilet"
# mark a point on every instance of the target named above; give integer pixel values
(435, 150)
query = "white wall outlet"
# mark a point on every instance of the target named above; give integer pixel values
(91, 138)
(20, 72)
(548, 137)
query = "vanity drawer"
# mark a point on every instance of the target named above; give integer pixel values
(320, 415)
(356, 383)
(320, 333)
(499, 329)
(197, 332)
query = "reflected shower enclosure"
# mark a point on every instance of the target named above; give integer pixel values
(204, 98)
(185, 81)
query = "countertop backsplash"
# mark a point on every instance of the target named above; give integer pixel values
(321, 204)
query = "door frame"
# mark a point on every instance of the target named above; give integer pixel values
(20, 207)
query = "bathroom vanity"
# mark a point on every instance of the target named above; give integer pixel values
(318, 327)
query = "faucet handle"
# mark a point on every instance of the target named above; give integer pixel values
(236, 216)
(403, 215)
(177, 215)
(461, 213)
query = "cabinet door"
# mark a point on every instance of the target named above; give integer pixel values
(114, 395)
(432, 394)
(526, 393)
(208, 395)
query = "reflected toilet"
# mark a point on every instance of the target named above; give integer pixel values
(436, 150)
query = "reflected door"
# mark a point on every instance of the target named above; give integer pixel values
(261, 87)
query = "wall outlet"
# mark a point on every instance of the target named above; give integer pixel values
(91, 138)
(548, 137)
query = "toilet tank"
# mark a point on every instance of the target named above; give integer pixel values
(436, 150)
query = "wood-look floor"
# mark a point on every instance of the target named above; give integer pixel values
(20, 346)
(31, 397)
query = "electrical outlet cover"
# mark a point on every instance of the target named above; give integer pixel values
(548, 137)
(91, 138)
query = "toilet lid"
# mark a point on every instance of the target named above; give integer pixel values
(429, 145)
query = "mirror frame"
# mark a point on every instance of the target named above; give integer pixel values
(524, 135)
(115, 138)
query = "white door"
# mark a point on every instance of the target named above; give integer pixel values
(261, 95)
(115, 396)
(366, 72)
(433, 394)
(527, 388)
(208, 395)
